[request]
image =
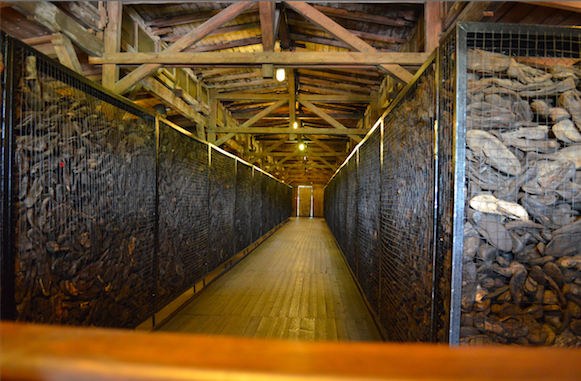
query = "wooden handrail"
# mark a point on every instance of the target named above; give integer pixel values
(42, 352)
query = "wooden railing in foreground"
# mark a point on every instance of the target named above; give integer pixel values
(41, 352)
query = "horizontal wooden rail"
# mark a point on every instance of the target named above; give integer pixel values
(41, 352)
(260, 58)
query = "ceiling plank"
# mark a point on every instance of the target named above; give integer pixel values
(365, 17)
(366, 35)
(49, 16)
(185, 42)
(219, 31)
(314, 15)
(324, 74)
(371, 57)
(573, 6)
(191, 18)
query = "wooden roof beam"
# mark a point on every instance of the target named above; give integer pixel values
(284, 131)
(283, 59)
(314, 15)
(185, 42)
(55, 20)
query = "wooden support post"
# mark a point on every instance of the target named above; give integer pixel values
(112, 42)
(213, 101)
(433, 25)
(200, 131)
(267, 29)
(65, 52)
(292, 100)
(183, 43)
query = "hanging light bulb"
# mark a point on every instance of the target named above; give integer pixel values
(295, 125)
(302, 146)
(280, 75)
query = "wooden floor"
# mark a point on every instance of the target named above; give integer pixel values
(295, 285)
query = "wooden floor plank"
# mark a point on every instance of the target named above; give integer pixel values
(295, 285)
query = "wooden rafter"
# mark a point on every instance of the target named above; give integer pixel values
(314, 15)
(48, 15)
(323, 115)
(65, 52)
(248, 123)
(185, 42)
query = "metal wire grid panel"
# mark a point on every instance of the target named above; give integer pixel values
(352, 243)
(267, 202)
(221, 209)
(84, 183)
(407, 212)
(521, 230)
(183, 213)
(368, 192)
(243, 211)
(257, 200)
(340, 205)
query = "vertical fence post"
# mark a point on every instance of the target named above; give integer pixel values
(156, 226)
(206, 262)
(235, 241)
(436, 162)
(8, 310)
(379, 229)
(459, 136)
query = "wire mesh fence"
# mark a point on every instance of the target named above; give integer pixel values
(183, 212)
(479, 201)
(106, 218)
(522, 146)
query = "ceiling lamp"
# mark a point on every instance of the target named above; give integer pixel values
(280, 75)
(295, 125)
(302, 146)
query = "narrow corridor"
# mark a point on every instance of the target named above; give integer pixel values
(295, 285)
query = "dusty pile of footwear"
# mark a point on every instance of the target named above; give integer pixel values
(84, 177)
(522, 232)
